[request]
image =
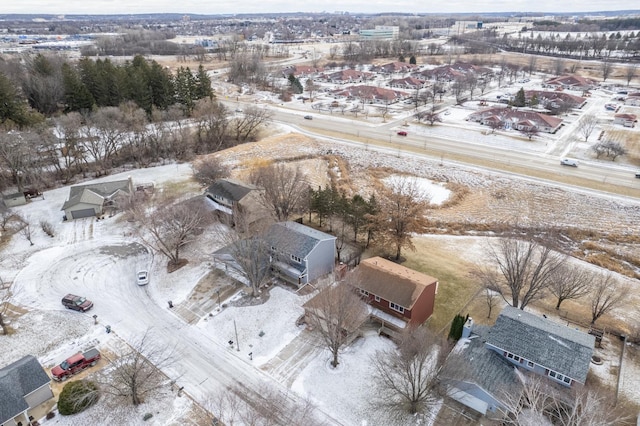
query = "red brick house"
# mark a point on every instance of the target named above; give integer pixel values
(397, 296)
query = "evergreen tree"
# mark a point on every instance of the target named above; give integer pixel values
(12, 107)
(401, 58)
(185, 88)
(161, 84)
(412, 60)
(203, 84)
(520, 99)
(76, 95)
(296, 86)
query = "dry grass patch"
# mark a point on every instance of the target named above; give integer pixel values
(440, 260)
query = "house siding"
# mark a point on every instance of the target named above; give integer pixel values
(82, 206)
(457, 390)
(424, 305)
(321, 260)
(39, 396)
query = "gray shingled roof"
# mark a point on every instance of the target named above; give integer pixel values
(547, 343)
(17, 380)
(103, 189)
(483, 367)
(295, 238)
(230, 189)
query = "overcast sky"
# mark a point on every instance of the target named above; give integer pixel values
(265, 6)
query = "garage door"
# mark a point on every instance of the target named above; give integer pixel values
(77, 214)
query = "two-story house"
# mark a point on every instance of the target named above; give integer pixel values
(300, 254)
(24, 385)
(233, 198)
(398, 296)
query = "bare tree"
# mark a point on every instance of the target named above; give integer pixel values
(247, 255)
(606, 68)
(212, 125)
(336, 312)
(25, 229)
(607, 295)
(285, 190)
(540, 403)
(558, 66)
(209, 169)
(611, 148)
(530, 131)
(405, 377)
(170, 226)
(630, 72)
(136, 373)
(587, 125)
(402, 208)
(265, 406)
(7, 292)
(491, 299)
(568, 283)
(525, 269)
(245, 127)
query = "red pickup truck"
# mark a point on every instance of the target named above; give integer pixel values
(75, 364)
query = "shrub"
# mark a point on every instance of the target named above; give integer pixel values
(77, 396)
(147, 416)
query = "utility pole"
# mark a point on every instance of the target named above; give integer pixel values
(236, 330)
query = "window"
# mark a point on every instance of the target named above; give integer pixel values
(376, 298)
(296, 259)
(510, 356)
(396, 307)
(566, 379)
(364, 292)
(529, 364)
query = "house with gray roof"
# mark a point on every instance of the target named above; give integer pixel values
(300, 254)
(479, 378)
(24, 385)
(95, 199)
(297, 253)
(231, 197)
(534, 343)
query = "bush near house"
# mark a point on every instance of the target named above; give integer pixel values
(77, 396)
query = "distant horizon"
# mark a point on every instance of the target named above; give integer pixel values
(217, 7)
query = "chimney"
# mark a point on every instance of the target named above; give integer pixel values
(466, 328)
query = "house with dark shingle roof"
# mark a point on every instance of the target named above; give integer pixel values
(232, 197)
(398, 296)
(24, 385)
(479, 378)
(540, 345)
(300, 254)
(93, 199)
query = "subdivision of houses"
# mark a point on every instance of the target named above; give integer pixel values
(371, 94)
(233, 198)
(97, 198)
(486, 361)
(24, 387)
(626, 120)
(301, 71)
(510, 118)
(398, 297)
(395, 68)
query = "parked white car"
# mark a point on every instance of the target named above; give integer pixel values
(143, 277)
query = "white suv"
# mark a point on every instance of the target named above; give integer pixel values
(569, 162)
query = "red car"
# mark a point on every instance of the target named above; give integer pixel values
(402, 133)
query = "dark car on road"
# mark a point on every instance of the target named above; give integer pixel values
(402, 133)
(77, 303)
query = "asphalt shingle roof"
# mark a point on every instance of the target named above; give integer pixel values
(545, 342)
(95, 193)
(295, 238)
(230, 189)
(17, 380)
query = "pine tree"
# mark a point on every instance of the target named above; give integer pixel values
(76, 95)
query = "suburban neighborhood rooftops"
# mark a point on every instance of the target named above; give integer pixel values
(17, 380)
(391, 281)
(544, 342)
